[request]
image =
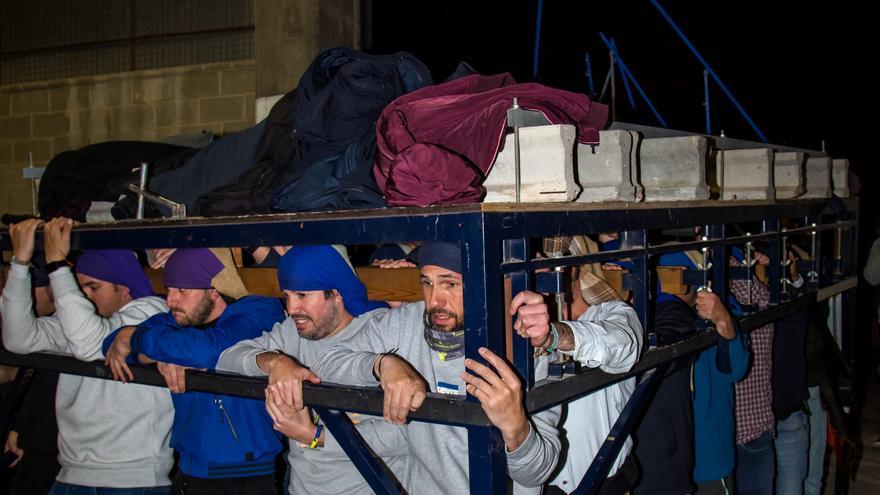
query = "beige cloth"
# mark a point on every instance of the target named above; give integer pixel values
(594, 288)
(228, 282)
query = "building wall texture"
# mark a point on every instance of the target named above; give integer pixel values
(48, 117)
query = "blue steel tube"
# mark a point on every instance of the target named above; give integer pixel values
(537, 39)
(711, 72)
(484, 327)
(625, 424)
(633, 79)
(706, 102)
(588, 67)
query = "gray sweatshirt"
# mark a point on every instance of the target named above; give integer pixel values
(444, 449)
(324, 470)
(110, 434)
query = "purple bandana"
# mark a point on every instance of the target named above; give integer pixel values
(191, 269)
(117, 266)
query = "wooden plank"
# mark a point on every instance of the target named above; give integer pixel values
(404, 284)
(383, 284)
(670, 279)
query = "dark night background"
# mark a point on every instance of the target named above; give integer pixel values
(803, 71)
(799, 69)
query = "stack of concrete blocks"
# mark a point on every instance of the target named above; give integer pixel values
(788, 173)
(546, 167)
(840, 177)
(608, 171)
(745, 174)
(818, 174)
(674, 169)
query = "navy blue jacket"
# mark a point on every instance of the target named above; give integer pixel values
(217, 436)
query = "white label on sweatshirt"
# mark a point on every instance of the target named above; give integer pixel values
(447, 388)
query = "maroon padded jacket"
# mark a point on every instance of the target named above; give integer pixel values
(436, 144)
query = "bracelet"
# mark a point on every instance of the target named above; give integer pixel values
(18, 262)
(318, 431)
(552, 348)
(55, 265)
(378, 366)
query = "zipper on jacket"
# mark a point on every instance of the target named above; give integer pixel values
(225, 416)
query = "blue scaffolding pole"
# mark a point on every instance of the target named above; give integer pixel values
(709, 69)
(627, 74)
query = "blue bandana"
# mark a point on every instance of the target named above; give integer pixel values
(307, 268)
(117, 266)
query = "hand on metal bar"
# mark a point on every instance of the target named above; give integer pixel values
(404, 387)
(499, 391)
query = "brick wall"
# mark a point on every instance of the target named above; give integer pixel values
(46, 118)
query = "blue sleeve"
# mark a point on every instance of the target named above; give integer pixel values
(108, 341)
(739, 355)
(732, 357)
(163, 340)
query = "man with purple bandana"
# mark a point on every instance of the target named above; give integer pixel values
(226, 444)
(99, 421)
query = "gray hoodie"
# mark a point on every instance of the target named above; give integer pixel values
(443, 449)
(325, 470)
(110, 434)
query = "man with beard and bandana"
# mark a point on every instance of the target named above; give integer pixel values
(226, 443)
(407, 347)
(326, 305)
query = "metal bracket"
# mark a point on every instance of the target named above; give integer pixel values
(520, 117)
(178, 210)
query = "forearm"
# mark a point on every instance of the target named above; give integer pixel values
(22, 331)
(347, 367)
(535, 459)
(84, 329)
(241, 358)
(611, 339)
(725, 327)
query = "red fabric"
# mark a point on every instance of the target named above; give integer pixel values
(436, 144)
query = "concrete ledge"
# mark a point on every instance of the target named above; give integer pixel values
(673, 169)
(745, 174)
(606, 170)
(840, 177)
(547, 167)
(788, 174)
(817, 172)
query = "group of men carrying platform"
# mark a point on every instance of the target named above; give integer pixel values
(117, 437)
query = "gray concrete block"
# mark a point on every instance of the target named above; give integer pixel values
(606, 170)
(546, 167)
(840, 177)
(745, 174)
(818, 175)
(674, 169)
(788, 174)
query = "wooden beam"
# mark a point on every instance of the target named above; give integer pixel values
(403, 284)
(383, 284)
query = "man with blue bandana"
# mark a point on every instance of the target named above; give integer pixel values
(111, 437)
(326, 305)
(714, 374)
(226, 443)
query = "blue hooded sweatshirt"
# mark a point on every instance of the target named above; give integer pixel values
(217, 436)
(715, 372)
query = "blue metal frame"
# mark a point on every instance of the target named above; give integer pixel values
(495, 241)
(351, 441)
